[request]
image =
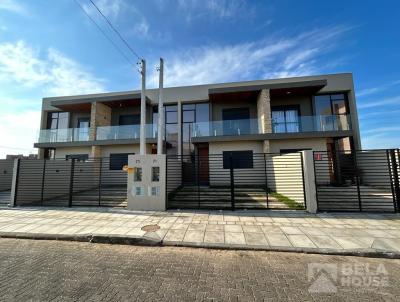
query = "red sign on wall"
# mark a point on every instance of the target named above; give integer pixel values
(317, 156)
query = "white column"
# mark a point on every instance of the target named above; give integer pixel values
(143, 111)
(160, 110)
(309, 181)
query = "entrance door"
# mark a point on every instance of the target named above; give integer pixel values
(203, 165)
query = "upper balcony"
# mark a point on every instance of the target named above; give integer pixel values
(297, 125)
(63, 135)
(105, 133)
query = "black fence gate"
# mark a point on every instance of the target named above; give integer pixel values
(71, 182)
(365, 180)
(235, 180)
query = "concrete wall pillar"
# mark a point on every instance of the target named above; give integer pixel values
(95, 152)
(266, 147)
(309, 181)
(14, 182)
(100, 115)
(264, 111)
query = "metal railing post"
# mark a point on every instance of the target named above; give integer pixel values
(266, 179)
(232, 183)
(198, 178)
(14, 189)
(395, 178)
(391, 181)
(71, 182)
(357, 180)
(43, 179)
(303, 179)
(100, 170)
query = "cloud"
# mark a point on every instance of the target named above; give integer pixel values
(221, 9)
(374, 90)
(14, 7)
(379, 102)
(382, 140)
(15, 134)
(273, 58)
(118, 11)
(54, 73)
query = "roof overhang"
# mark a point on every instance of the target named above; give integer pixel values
(306, 86)
(84, 103)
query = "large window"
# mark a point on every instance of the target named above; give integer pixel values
(285, 119)
(236, 121)
(239, 159)
(330, 104)
(193, 115)
(83, 128)
(57, 120)
(118, 160)
(129, 119)
(331, 111)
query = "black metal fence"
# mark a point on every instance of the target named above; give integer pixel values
(365, 180)
(72, 182)
(235, 180)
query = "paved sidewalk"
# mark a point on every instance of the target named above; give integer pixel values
(270, 230)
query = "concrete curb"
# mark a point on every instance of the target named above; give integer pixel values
(150, 241)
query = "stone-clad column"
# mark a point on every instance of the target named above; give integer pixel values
(100, 115)
(264, 115)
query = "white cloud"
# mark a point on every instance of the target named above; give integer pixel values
(54, 73)
(110, 8)
(35, 74)
(374, 90)
(276, 57)
(117, 10)
(221, 9)
(13, 6)
(379, 102)
(380, 140)
(16, 132)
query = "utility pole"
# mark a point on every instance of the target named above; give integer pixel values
(143, 110)
(160, 135)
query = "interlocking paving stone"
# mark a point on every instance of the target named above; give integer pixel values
(234, 238)
(214, 237)
(70, 271)
(301, 241)
(355, 231)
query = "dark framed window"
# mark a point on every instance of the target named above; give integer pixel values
(331, 104)
(239, 159)
(57, 120)
(285, 119)
(129, 119)
(79, 157)
(118, 160)
(236, 121)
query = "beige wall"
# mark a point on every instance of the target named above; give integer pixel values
(316, 144)
(218, 147)
(107, 150)
(304, 102)
(62, 152)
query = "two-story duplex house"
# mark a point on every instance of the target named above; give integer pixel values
(264, 116)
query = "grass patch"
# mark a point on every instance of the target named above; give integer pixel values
(287, 201)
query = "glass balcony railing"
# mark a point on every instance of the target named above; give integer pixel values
(226, 127)
(63, 135)
(314, 123)
(124, 132)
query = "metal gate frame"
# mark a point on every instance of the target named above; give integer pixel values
(392, 163)
(231, 178)
(69, 182)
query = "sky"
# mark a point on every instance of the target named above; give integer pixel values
(51, 48)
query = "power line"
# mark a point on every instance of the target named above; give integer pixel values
(116, 31)
(105, 35)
